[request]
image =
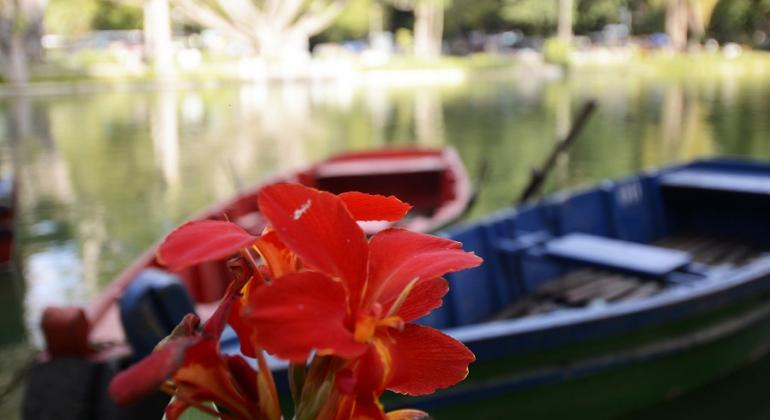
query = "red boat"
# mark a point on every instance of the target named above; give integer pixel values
(7, 214)
(434, 181)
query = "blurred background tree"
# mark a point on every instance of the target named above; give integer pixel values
(21, 28)
(428, 29)
(76, 17)
(741, 21)
(541, 16)
(275, 29)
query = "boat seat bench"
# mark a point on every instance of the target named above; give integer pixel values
(713, 180)
(627, 256)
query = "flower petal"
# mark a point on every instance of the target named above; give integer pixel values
(368, 407)
(205, 376)
(317, 226)
(243, 328)
(366, 207)
(149, 373)
(427, 360)
(426, 296)
(407, 414)
(301, 312)
(202, 240)
(244, 376)
(398, 256)
(214, 326)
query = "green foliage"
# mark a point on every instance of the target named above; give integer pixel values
(556, 51)
(353, 22)
(70, 17)
(649, 16)
(537, 15)
(541, 15)
(117, 15)
(466, 15)
(594, 14)
(76, 17)
(737, 20)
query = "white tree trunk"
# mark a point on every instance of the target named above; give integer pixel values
(281, 45)
(566, 11)
(16, 71)
(157, 33)
(428, 28)
(677, 23)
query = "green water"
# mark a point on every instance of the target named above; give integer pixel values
(104, 175)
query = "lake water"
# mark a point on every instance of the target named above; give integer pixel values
(102, 176)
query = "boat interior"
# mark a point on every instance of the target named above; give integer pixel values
(423, 179)
(619, 242)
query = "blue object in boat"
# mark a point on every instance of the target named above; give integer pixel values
(151, 307)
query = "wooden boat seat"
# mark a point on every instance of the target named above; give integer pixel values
(714, 180)
(626, 256)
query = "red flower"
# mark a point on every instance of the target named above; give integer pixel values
(355, 297)
(188, 365)
(324, 288)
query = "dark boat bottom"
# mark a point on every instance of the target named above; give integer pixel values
(594, 286)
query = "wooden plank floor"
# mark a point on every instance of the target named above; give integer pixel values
(593, 286)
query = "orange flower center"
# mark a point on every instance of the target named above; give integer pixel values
(367, 323)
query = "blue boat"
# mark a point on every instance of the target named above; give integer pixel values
(591, 303)
(595, 303)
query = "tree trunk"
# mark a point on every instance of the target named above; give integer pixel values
(16, 71)
(566, 11)
(157, 38)
(428, 28)
(677, 23)
(282, 45)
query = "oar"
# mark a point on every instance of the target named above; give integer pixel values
(539, 175)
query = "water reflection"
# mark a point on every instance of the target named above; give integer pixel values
(164, 131)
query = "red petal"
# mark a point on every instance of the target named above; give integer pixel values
(398, 256)
(218, 320)
(317, 226)
(299, 313)
(427, 360)
(148, 374)
(426, 296)
(202, 240)
(371, 371)
(368, 407)
(243, 328)
(244, 377)
(205, 376)
(366, 207)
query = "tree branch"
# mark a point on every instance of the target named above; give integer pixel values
(207, 17)
(313, 23)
